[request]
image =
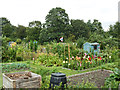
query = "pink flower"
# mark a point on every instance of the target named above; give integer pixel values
(33, 59)
(77, 58)
(77, 63)
(95, 56)
(85, 54)
(80, 65)
(84, 57)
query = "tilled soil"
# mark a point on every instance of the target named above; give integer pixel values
(19, 76)
(96, 77)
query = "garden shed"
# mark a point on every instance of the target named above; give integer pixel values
(95, 47)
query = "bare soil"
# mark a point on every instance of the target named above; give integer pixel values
(19, 76)
(96, 77)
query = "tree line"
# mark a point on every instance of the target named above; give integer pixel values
(57, 24)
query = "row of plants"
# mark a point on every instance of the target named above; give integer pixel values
(14, 66)
(33, 45)
(49, 60)
(85, 60)
(19, 52)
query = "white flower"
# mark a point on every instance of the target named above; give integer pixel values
(66, 58)
(109, 56)
(63, 61)
(66, 61)
(69, 64)
(88, 56)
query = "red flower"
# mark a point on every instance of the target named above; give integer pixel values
(90, 62)
(100, 58)
(89, 58)
(92, 57)
(81, 58)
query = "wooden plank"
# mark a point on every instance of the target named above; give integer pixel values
(27, 80)
(7, 83)
(29, 84)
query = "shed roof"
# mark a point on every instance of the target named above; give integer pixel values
(92, 43)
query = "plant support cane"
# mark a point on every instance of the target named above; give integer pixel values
(69, 52)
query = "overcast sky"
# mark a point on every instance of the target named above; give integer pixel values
(24, 11)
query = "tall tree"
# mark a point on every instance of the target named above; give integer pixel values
(6, 27)
(56, 22)
(97, 26)
(80, 29)
(21, 32)
(33, 31)
(114, 31)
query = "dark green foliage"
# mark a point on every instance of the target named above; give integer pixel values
(44, 72)
(80, 42)
(31, 45)
(13, 66)
(8, 53)
(80, 29)
(56, 22)
(19, 58)
(35, 45)
(33, 31)
(113, 80)
(21, 32)
(18, 41)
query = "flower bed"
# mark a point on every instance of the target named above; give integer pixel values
(84, 61)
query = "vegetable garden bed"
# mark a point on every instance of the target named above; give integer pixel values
(97, 77)
(21, 80)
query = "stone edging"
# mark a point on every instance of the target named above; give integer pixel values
(87, 73)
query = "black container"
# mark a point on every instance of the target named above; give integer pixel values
(57, 78)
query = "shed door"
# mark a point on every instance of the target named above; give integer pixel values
(95, 47)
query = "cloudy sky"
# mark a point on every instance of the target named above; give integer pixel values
(24, 11)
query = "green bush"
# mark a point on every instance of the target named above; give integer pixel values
(19, 58)
(80, 42)
(18, 41)
(50, 60)
(113, 80)
(44, 72)
(8, 39)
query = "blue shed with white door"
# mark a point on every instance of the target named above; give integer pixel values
(95, 47)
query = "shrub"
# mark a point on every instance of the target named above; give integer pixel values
(50, 60)
(80, 42)
(113, 80)
(18, 41)
(19, 58)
